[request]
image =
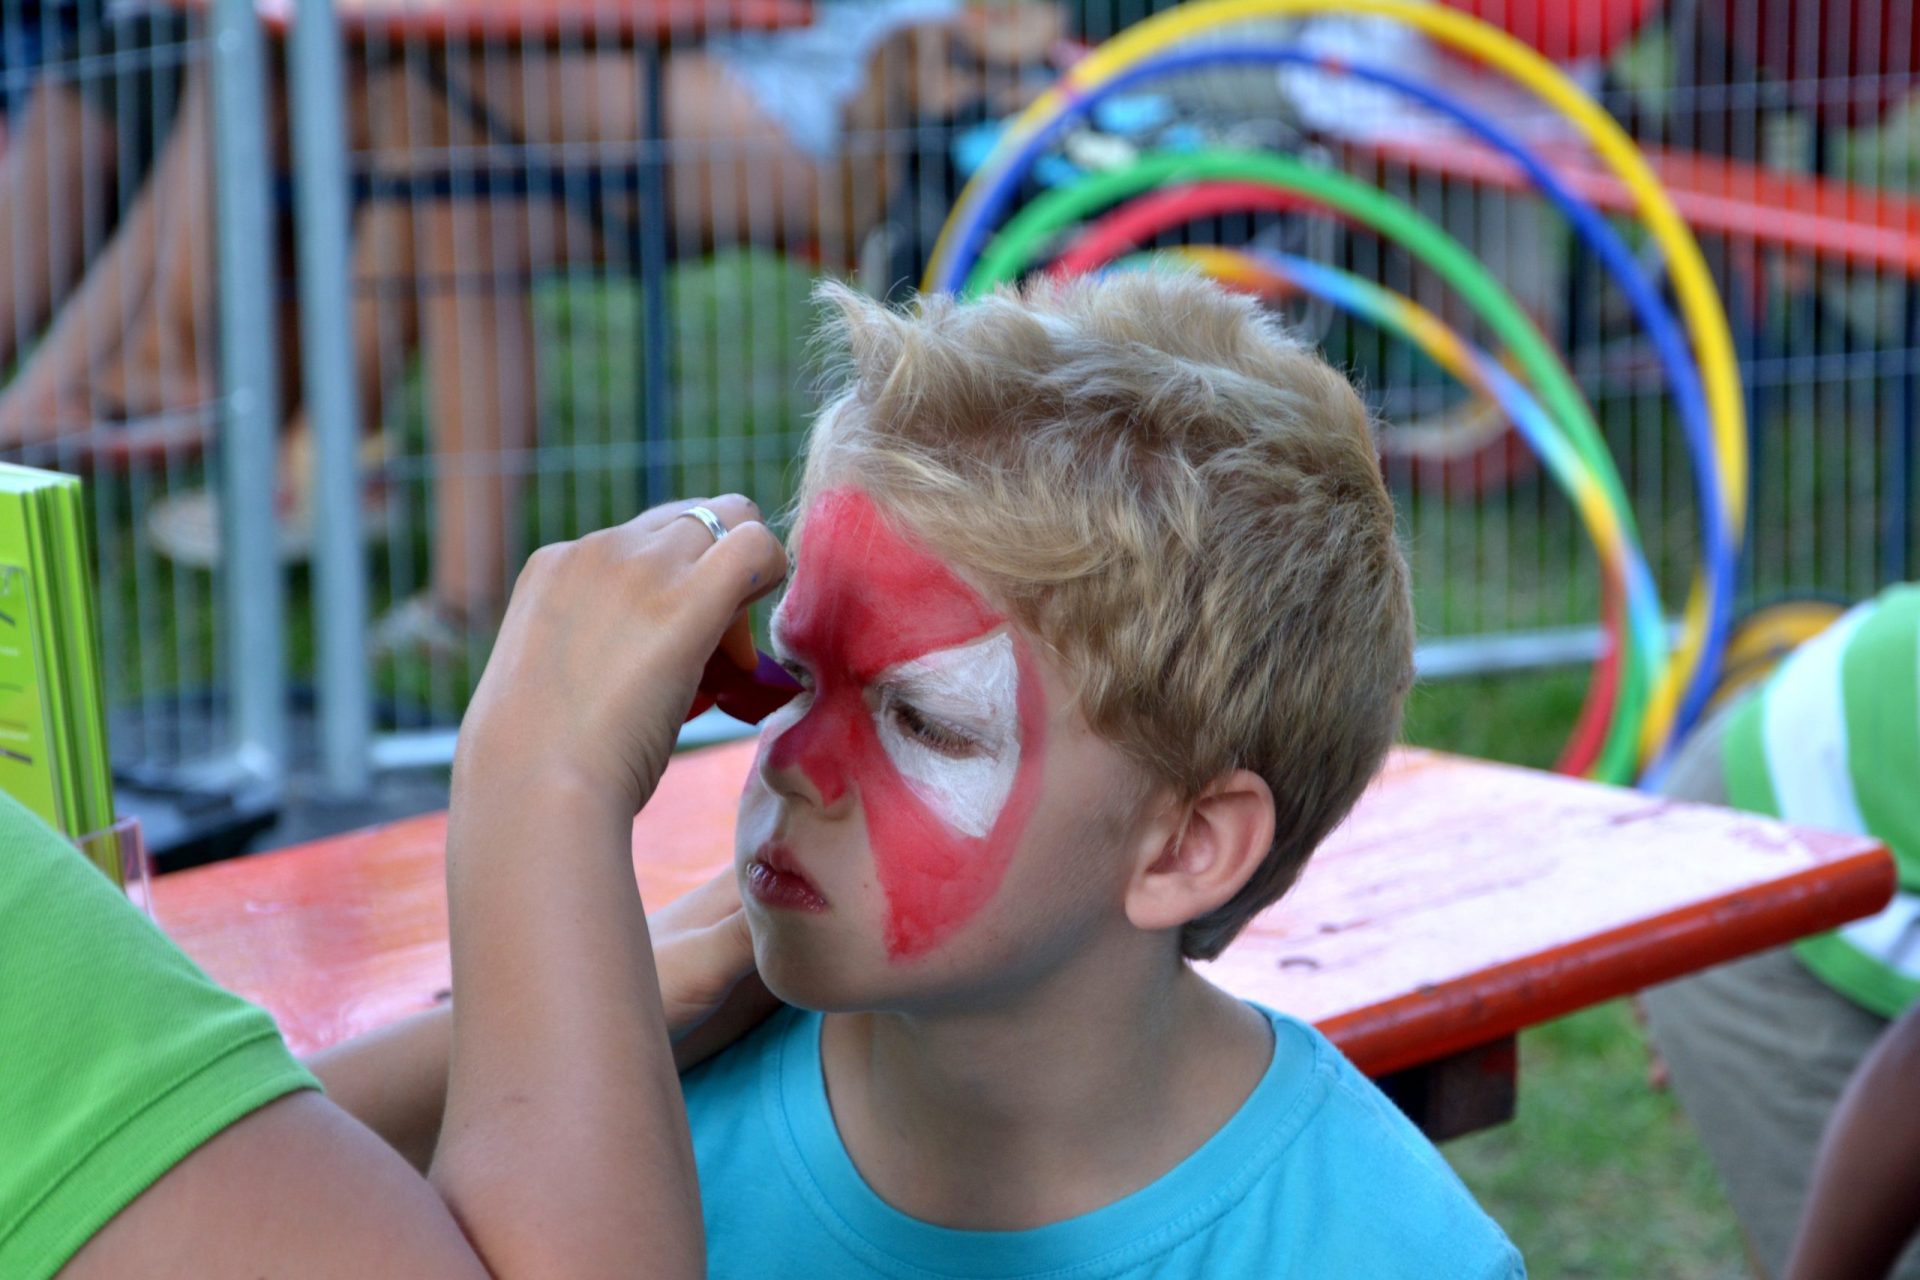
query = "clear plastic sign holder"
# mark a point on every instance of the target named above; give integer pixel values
(120, 851)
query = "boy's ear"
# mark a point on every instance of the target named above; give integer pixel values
(1194, 860)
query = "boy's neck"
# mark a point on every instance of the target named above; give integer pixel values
(1094, 1084)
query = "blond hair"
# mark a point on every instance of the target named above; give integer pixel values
(1177, 497)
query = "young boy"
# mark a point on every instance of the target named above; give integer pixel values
(1102, 626)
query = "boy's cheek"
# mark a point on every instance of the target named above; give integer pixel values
(757, 818)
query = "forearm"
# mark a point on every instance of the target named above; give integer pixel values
(1865, 1201)
(565, 1148)
(394, 1081)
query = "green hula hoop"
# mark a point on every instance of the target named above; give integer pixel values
(1025, 236)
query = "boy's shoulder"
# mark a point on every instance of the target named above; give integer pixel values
(1318, 1174)
(1380, 1187)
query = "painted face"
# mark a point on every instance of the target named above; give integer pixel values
(922, 705)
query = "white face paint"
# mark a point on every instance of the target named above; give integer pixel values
(950, 723)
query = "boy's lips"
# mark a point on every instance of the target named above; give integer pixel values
(775, 879)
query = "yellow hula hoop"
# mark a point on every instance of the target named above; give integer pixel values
(1700, 307)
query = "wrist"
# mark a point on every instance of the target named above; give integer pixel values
(487, 783)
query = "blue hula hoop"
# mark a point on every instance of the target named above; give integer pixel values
(1642, 294)
(1363, 298)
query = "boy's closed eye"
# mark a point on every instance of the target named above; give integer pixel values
(946, 734)
(940, 735)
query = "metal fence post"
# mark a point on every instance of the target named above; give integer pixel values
(322, 210)
(254, 595)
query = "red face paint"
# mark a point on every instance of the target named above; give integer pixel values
(865, 599)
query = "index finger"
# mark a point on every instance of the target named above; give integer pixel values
(739, 569)
(732, 508)
(693, 535)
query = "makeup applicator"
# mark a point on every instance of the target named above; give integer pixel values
(742, 681)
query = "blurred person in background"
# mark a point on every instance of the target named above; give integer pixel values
(1760, 1051)
(793, 139)
(1864, 1205)
(94, 98)
(777, 139)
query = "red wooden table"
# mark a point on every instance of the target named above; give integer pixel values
(1461, 902)
(1824, 218)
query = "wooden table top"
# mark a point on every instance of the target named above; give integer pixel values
(1461, 902)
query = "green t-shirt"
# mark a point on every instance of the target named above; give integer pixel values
(1832, 741)
(118, 1056)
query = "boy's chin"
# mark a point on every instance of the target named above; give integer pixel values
(810, 972)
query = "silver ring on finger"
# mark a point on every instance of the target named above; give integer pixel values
(707, 518)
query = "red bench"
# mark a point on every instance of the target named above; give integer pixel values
(1830, 220)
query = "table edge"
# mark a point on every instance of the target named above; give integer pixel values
(1508, 998)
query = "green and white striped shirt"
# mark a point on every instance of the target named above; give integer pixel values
(1833, 741)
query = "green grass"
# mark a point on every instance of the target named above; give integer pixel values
(1599, 1176)
(1521, 719)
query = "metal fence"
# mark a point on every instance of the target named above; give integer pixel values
(581, 255)
(488, 275)
(135, 331)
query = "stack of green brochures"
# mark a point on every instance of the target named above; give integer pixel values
(53, 729)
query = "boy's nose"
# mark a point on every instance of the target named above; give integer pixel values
(809, 759)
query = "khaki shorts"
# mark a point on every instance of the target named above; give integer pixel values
(1758, 1052)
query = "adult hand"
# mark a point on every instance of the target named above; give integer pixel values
(560, 1051)
(603, 645)
(708, 985)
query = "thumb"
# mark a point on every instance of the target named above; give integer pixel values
(705, 904)
(730, 947)
(708, 962)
